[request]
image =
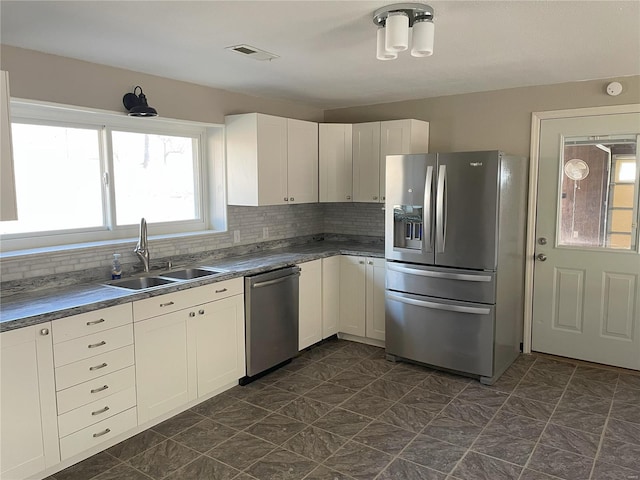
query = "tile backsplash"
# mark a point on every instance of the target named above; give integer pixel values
(284, 223)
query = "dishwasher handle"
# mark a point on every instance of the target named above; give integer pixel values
(275, 281)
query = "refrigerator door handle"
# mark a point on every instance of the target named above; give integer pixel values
(441, 209)
(426, 220)
(444, 275)
(440, 306)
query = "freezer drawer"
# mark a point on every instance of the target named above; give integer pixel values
(454, 284)
(447, 334)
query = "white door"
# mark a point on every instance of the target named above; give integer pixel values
(335, 162)
(586, 299)
(375, 298)
(302, 161)
(352, 295)
(366, 162)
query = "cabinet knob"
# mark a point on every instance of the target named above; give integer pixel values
(361, 262)
(384, 198)
(201, 312)
(286, 199)
(348, 197)
(291, 199)
(192, 314)
(370, 262)
(375, 198)
(44, 331)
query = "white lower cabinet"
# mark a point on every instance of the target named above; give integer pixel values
(218, 336)
(187, 354)
(162, 364)
(310, 304)
(95, 381)
(330, 295)
(362, 297)
(28, 428)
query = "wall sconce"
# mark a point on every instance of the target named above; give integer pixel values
(394, 22)
(137, 105)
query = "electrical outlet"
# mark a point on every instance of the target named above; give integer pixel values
(265, 232)
(236, 236)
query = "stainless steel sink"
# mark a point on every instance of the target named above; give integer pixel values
(140, 283)
(191, 273)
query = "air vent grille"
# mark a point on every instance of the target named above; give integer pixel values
(252, 52)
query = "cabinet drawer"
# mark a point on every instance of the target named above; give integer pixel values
(172, 302)
(98, 433)
(95, 412)
(96, 389)
(91, 322)
(94, 367)
(92, 345)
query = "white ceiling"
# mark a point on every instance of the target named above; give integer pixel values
(327, 48)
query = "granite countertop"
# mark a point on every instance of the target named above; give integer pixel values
(50, 304)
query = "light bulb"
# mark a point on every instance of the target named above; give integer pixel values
(397, 32)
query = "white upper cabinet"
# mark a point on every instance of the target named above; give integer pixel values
(271, 160)
(302, 161)
(399, 137)
(8, 207)
(366, 162)
(335, 159)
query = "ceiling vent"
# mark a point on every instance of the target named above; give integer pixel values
(252, 52)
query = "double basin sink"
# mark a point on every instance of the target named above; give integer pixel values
(144, 283)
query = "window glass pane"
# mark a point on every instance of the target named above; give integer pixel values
(58, 178)
(154, 177)
(598, 194)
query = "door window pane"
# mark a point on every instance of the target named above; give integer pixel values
(599, 193)
(154, 177)
(58, 178)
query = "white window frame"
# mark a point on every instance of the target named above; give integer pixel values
(209, 171)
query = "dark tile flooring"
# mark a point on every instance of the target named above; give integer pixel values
(341, 411)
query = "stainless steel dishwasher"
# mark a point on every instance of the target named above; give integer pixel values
(271, 319)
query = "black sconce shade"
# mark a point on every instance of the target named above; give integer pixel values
(137, 105)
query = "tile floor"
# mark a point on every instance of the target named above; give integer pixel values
(341, 411)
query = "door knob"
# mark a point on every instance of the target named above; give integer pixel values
(542, 257)
(542, 241)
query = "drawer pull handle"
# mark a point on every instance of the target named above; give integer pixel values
(96, 345)
(97, 367)
(168, 304)
(100, 389)
(98, 412)
(221, 291)
(95, 322)
(104, 432)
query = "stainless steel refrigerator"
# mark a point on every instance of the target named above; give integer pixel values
(454, 245)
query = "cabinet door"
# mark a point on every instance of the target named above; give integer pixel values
(8, 208)
(335, 162)
(162, 365)
(399, 137)
(302, 161)
(375, 298)
(330, 295)
(217, 334)
(28, 427)
(352, 295)
(272, 160)
(310, 305)
(366, 162)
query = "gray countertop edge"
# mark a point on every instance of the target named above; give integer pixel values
(41, 308)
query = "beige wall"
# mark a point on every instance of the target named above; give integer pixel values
(490, 120)
(477, 121)
(39, 76)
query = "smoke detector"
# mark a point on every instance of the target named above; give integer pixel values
(252, 52)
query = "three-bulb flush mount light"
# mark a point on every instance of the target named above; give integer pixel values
(394, 23)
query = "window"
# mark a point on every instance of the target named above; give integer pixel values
(85, 176)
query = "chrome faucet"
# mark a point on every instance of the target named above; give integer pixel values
(142, 248)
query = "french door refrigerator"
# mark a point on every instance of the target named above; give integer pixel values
(454, 245)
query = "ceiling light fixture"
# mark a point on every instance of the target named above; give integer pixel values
(394, 23)
(137, 105)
